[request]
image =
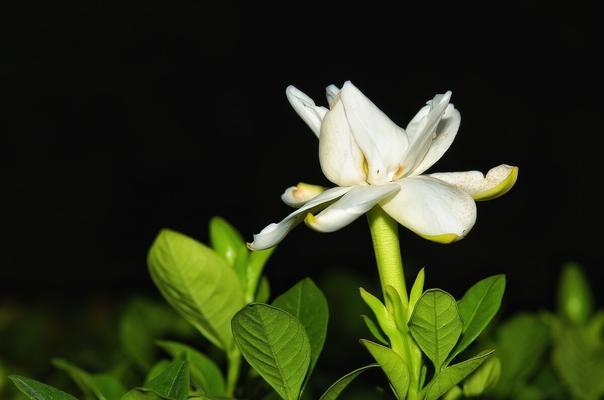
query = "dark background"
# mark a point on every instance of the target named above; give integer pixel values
(121, 118)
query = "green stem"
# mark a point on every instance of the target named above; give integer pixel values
(384, 233)
(233, 367)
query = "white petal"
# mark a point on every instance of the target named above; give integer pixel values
(305, 107)
(424, 129)
(341, 158)
(382, 142)
(432, 208)
(499, 181)
(297, 196)
(274, 233)
(351, 206)
(445, 134)
(331, 92)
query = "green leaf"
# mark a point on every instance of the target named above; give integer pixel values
(228, 243)
(334, 391)
(477, 308)
(156, 370)
(575, 298)
(450, 376)
(173, 382)
(205, 374)
(416, 290)
(453, 394)
(483, 379)
(374, 330)
(306, 302)
(142, 394)
(37, 390)
(393, 366)
(436, 325)
(255, 265)
(275, 344)
(197, 283)
(263, 292)
(97, 386)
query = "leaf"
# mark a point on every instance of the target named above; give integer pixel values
(141, 394)
(37, 390)
(334, 391)
(156, 370)
(374, 330)
(575, 298)
(393, 366)
(306, 302)
(263, 292)
(436, 325)
(450, 376)
(416, 290)
(255, 265)
(477, 308)
(205, 374)
(173, 382)
(229, 244)
(483, 379)
(453, 394)
(197, 283)
(98, 386)
(275, 344)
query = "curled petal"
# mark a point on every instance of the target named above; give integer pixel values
(305, 107)
(496, 183)
(274, 233)
(341, 158)
(432, 208)
(331, 92)
(382, 142)
(297, 196)
(352, 205)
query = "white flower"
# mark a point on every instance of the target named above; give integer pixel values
(375, 162)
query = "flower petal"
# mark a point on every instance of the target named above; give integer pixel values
(445, 133)
(352, 205)
(297, 196)
(305, 107)
(274, 233)
(382, 142)
(331, 92)
(432, 208)
(341, 158)
(496, 183)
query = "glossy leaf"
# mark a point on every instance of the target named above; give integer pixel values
(483, 379)
(275, 344)
(416, 290)
(205, 374)
(334, 391)
(37, 390)
(255, 265)
(228, 243)
(374, 330)
(173, 382)
(393, 366)
(477, 308)
(436, 325)
(197, 283)
(306, 302)
(97, 386)
(452, 375)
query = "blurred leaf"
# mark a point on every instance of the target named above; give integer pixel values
(255, 265)
(263, 293)
(575, 299)
(228, 243)
(334, 391)
(205, 374)
(374, 330)
(477, 308)
(139, 394)
(197, 283)
(142, 323)
(173, 382)
(306, 302)
(520, 343)
(453, 394)
(483, 379)
(156, 370)
(93, 386)
(450, 376)
(393, 366)
(37, 390)
(436, 325)
(416, 290)
(275, 344)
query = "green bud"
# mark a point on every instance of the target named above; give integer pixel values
(575, 299)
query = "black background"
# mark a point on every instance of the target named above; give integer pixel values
(122, 118)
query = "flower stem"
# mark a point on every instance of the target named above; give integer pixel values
(233, 367)
(384, 233)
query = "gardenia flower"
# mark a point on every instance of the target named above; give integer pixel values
(375, 162)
